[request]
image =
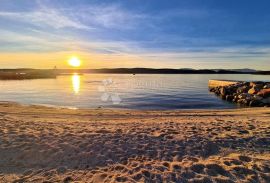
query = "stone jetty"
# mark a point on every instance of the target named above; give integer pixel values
(253, 94)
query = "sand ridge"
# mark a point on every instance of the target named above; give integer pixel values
(41, 144)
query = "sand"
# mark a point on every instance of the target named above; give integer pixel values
(42, 144)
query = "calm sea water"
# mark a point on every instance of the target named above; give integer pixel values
(139, 91)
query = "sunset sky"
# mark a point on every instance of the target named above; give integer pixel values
(135, 33)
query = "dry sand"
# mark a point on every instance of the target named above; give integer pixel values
(41, 144)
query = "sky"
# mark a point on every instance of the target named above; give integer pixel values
(200, 34)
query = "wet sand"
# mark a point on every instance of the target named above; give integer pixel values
(42, 144)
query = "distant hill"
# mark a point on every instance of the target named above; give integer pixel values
(244, 70)
(263, 72)
(162, 71)
(143, 71)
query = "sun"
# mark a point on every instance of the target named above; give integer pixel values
(74, 62)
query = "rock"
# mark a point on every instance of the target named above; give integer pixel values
(229, 97)
(259, 86)
(253, 90)
(255, 103)
(223, 97)
(242, 96)
(241, 101)
(264, 93)
(223, 91)
(257, 97)
(266, 100)
(246, 101)
(266, 86)
(257, 83)
(256, 87)
(243, 89)
(253, 94)
(212, 89)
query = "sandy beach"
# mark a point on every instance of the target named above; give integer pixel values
(42, 144)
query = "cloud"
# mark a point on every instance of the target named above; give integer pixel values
(110, 16)
(45, 16)
(89, 16)
(114, 31)
(39, 41)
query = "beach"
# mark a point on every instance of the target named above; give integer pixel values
(44, 144)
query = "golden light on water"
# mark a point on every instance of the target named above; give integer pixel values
(76, 83)
(74, 62)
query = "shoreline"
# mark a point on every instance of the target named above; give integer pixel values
(130, 109)
(109, 145)
(115, 108)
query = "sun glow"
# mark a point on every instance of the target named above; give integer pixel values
(74, 62)
(76, 83)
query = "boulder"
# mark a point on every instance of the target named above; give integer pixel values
(247, 101)
(255, 103)
(254, 94)
(243, 95)
(229, 97)
(223, 91)
(212, 89)
(257, 83)
(266, 100)
(257, 97)
(235, 100)
(266, 86)
(255, 89)
(243, 89)
(231, 89)
(241, 101)
(223, 97)
(264, 93)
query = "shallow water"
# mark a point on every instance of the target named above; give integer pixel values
(141, 91)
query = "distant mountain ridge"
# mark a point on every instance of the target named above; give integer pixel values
(168, 71)
(244, 70)
(146, 71)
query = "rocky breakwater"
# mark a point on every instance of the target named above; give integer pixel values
(253, 94)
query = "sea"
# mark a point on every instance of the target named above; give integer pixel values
(126, 91)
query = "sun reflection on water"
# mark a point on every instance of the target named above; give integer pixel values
(76, 83)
